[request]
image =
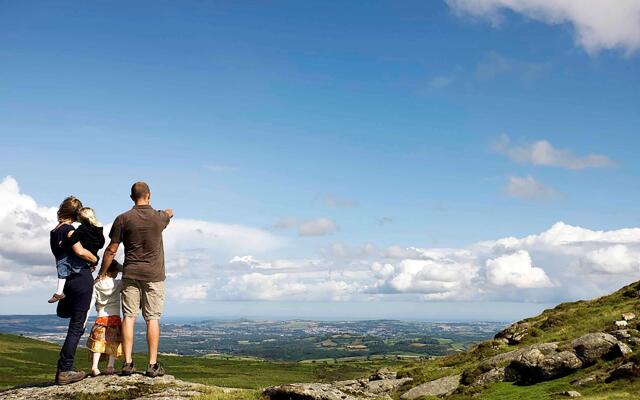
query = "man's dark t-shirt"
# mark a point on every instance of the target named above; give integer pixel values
(140, 230)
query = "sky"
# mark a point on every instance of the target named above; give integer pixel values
(437, 160)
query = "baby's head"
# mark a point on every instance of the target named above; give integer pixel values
(86, 215)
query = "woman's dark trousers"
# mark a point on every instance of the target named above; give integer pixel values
(78, 291)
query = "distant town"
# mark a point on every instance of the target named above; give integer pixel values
(289, 340)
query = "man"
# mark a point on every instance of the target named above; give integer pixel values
(140, 230)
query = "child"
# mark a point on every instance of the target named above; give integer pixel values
(105, 337)
(90, 235)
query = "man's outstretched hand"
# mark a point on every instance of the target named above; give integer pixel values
(169, 212)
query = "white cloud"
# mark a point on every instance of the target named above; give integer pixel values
(616, 259)
(598, 24)
(308, 227)
(338, 202)
(528, 188)
(213, 261)
(516, 270)
(544, 153)
(185, 293)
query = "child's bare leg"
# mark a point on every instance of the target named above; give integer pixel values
(110, 364)
(94, 366)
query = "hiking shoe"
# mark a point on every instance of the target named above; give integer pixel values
(128, 369)
(67, 377)
(155, 370)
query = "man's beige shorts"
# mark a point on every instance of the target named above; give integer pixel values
(140, 295)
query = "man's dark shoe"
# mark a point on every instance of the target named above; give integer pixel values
(67, 377)
(155, 370)
(128, 369)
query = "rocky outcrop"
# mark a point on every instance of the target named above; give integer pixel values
(624, 371)
(534, 366)
(438, 387)
(593, 346)
(377, 386)
(136, 386)
(515, 333)
(491, 376)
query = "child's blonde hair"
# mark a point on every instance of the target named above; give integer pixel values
(86, 215)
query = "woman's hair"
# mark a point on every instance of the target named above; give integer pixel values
(86, 215)
(69, 208)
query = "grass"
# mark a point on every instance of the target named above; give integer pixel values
(28, 361)
(564, 322)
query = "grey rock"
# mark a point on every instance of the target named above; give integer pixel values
(383, 373)
(571, 393)
(633, 341)
(370, 388)
(594, 346)
(628, 316)
(625, 371)
(438, 387)
(620, 334)
(166, 387)
(586, 380)
(624, 349)
(309, 391)
(544, 348)
(534, 366)
(491, 376)
(515, 333)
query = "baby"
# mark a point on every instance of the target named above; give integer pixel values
(90, 235)
(106, 338)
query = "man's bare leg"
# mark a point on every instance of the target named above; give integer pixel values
(153, 337)
(128, 324)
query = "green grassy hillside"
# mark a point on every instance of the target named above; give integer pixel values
(564, 322)
(25, 361)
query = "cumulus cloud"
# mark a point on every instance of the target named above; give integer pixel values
(308, 227)
(544, 153)
(598, 24)
(528, 188)
(212, 261)
(616, 259)
(516, 270)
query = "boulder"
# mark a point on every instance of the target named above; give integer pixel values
(620, 334)
(624, 349)
(383, 373)
(370, 388)
(571, 393)
(624, 371)
(634, 341)
(586, 380)
(113, 386)
(515, 333)
(628, 316)
(594, 346)
(491, 376)
(438, 387)
(306, 391)
(534, 366)
(544, 348)
(621, 324)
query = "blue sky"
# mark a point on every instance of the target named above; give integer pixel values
(385, 125)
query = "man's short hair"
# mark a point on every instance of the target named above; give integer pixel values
(139, 190)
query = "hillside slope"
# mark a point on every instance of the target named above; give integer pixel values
(555, 333)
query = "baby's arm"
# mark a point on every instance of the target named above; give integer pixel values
(79, 249)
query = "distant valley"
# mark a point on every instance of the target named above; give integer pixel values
(289, 340)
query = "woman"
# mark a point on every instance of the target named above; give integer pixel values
(78, 289)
